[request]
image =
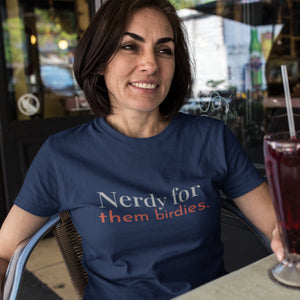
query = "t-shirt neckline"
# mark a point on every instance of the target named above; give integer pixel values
(137, 141)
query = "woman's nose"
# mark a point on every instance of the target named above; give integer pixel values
(148, 62)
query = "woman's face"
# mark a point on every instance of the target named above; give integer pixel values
(139, 76)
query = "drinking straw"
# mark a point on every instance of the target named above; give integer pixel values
(288, 101)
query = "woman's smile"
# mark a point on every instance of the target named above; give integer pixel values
(144, 85)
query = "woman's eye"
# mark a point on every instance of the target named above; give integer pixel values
(166, 51)
(129, 47)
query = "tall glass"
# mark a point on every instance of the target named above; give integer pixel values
(282, 161)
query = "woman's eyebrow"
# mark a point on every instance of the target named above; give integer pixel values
(141, 39)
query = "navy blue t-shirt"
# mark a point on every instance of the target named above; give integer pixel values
(147, 209)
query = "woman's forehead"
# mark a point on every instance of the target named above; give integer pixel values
(150, 21)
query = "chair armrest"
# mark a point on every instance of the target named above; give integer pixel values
(19, 259)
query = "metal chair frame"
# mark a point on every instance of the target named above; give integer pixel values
(69, 242)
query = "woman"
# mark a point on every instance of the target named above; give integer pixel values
(141, 181)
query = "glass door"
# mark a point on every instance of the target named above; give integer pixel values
(40, 38)
(238, 48)
(38, 93)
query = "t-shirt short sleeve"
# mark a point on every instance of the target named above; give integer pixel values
(39, 193)
(242, 176)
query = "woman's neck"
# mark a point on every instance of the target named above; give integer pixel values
(138, 125)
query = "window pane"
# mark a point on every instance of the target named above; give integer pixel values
(238, 48)
(40, 38)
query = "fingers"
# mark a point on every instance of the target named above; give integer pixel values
(276, 244)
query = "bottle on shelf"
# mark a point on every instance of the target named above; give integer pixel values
(256, 62)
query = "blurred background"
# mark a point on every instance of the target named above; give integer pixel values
(237, 47)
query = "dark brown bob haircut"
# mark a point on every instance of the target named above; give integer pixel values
(102, 40)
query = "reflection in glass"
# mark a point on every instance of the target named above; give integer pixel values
(40, 38)
(237, 48)
(56, 77)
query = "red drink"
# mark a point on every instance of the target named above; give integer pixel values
(282, 160)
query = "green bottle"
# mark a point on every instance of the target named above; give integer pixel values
(255, 61)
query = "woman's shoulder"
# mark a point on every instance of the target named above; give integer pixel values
(74, 135)
(200, 122)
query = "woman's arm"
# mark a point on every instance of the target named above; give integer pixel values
(18, 226)
(258, 207)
